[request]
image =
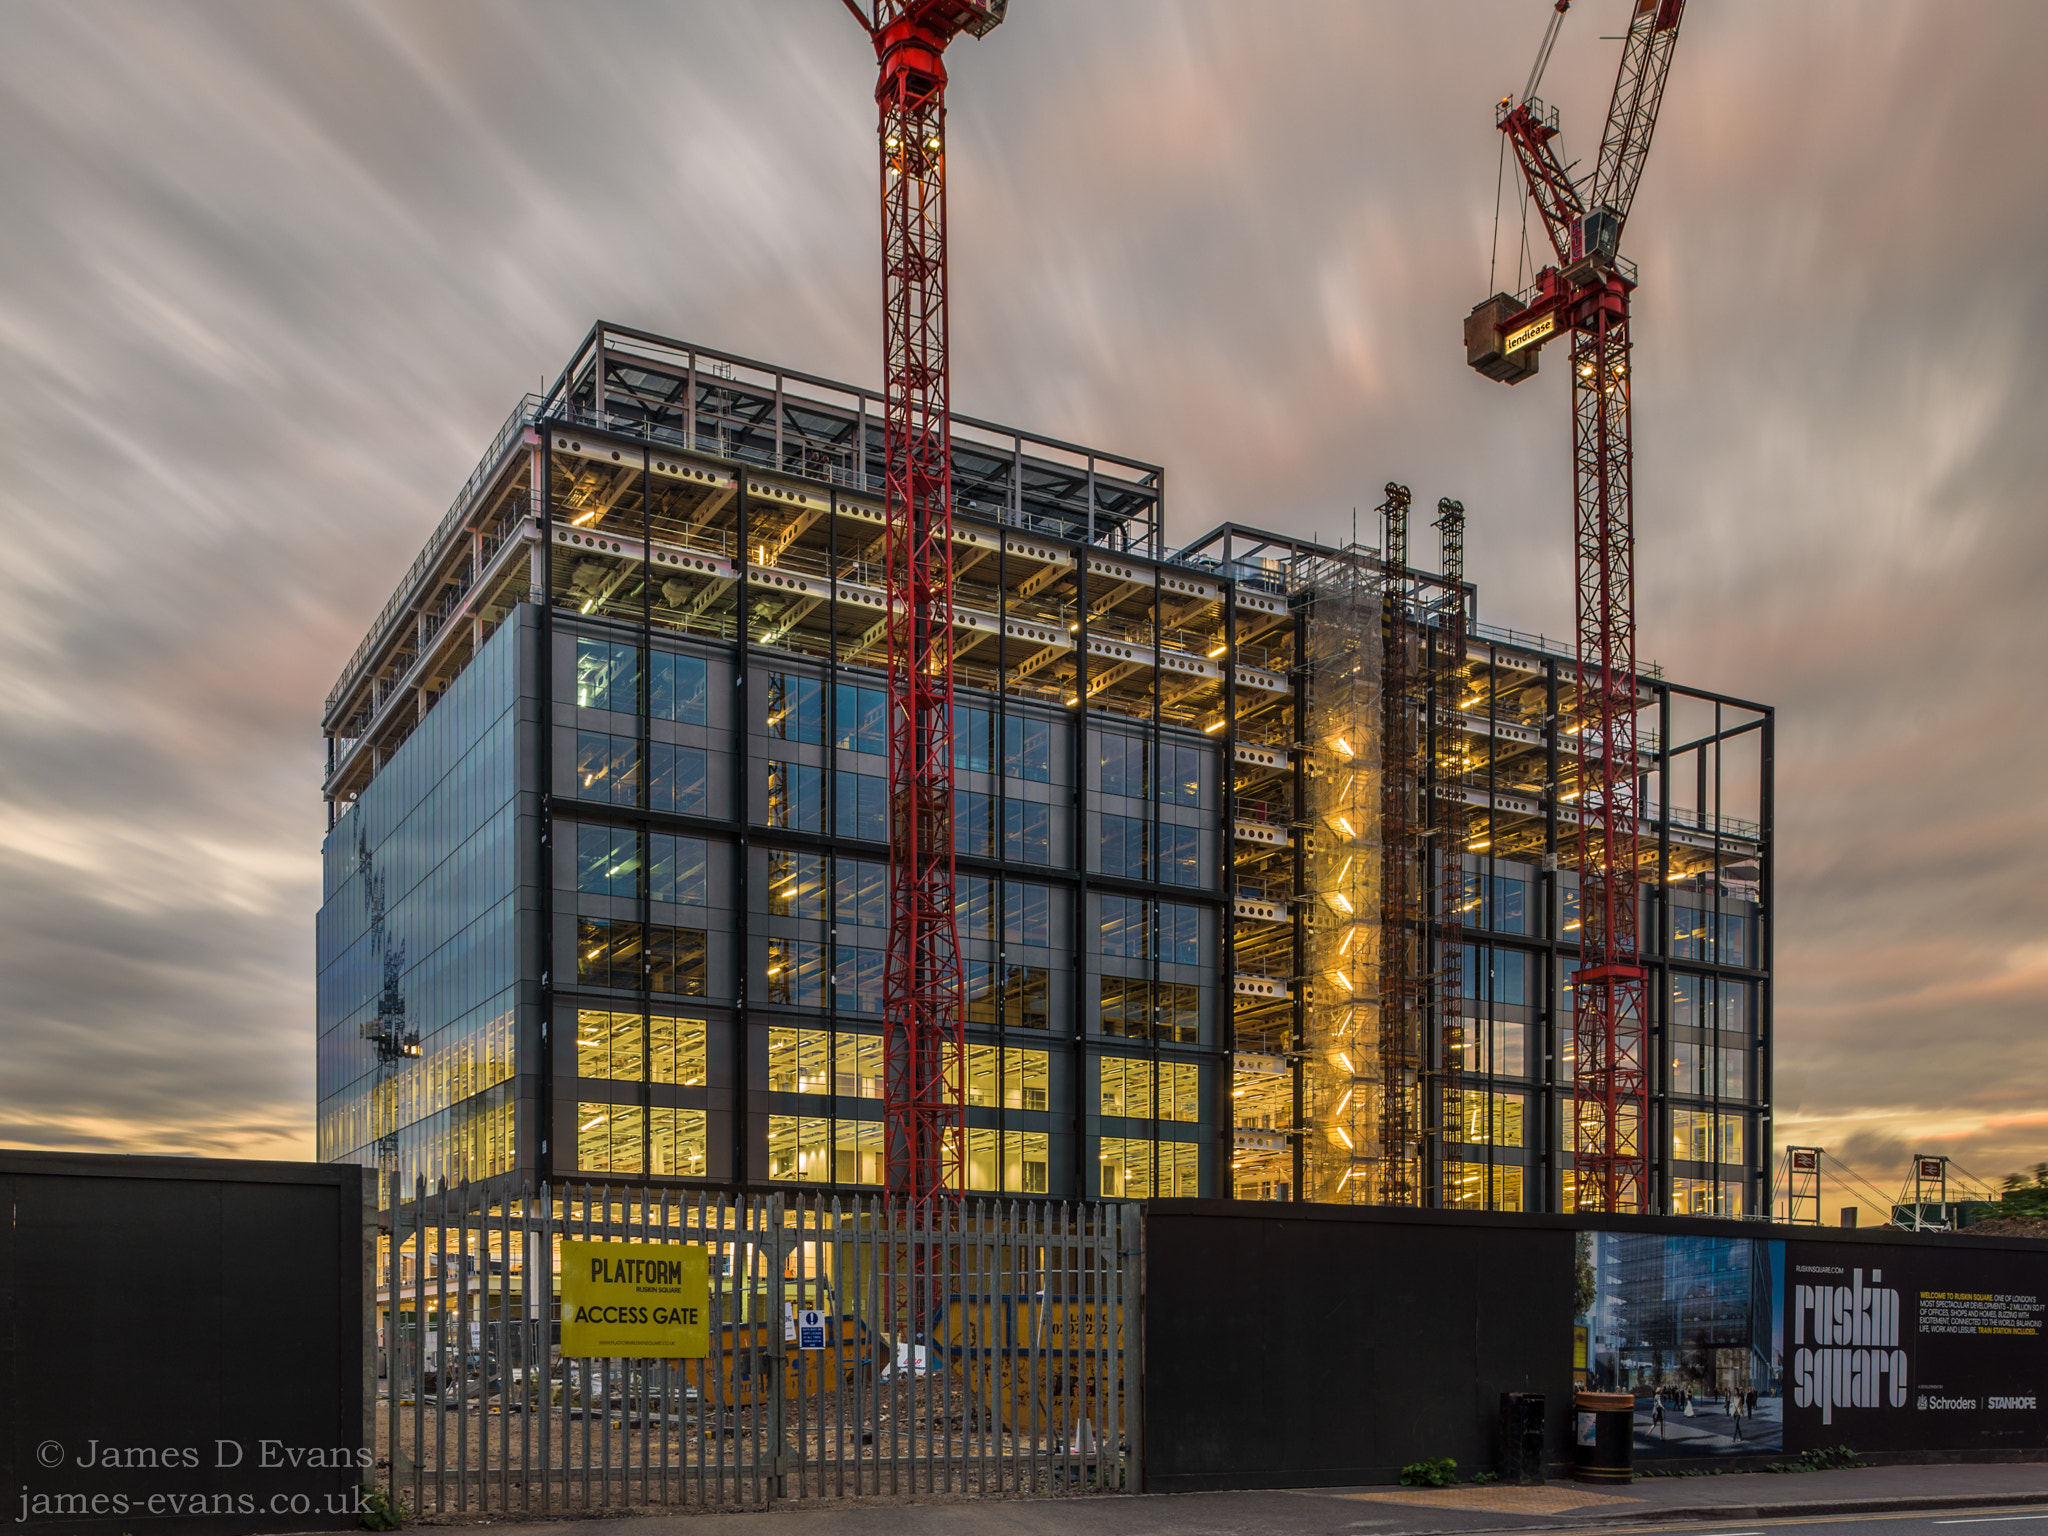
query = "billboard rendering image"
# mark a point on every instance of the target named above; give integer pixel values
(1691, 1327)
(1737, 1346)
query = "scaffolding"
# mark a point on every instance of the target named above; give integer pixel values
(1449, 758)
(1344, 1093)
(1404, 942)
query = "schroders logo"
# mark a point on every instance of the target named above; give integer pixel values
(1850, 1357)
(1924, 1401)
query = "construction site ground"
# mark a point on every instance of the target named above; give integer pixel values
(1897, 1501)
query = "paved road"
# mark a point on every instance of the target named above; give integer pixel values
(2009, 1500)
(1970, 1521)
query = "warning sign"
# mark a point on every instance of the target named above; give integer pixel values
(635, 1300)
(810, 1330)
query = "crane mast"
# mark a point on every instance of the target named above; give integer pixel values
(1586, 296)
(925, 1034)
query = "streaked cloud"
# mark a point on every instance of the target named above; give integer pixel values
(274, 274)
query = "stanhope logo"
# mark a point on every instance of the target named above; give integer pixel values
(2010, 1402)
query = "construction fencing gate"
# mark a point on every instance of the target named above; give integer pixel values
(980, 1348)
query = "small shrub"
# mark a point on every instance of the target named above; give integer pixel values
(381, 1513)
(1485, 1477)
(1436, 1472)
(1822, 1458)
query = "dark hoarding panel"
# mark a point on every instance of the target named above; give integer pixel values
(1915, 1348)
(1319, 1346)
(185, 1345)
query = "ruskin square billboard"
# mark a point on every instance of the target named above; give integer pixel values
(1737, 1346)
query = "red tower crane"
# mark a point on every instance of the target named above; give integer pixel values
(925, 1034)
(1586, 296)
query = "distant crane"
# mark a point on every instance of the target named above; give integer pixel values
(925, 1041)
(1586, 295)
(396, 1040)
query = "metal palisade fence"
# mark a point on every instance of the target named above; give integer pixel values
(981, 1347)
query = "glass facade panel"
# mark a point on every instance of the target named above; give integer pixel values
(1027, 832)
(1135, 1009)
(607, 675)
(611, 1138)
(676, 1051)
(1139, 1088)
(796, 796)
(676, 688)
(1027, 749)
(1126, 765)
(608, 767)
(1013, 1162)
(799, 1060)
(417, 925)
(861, 805)
(1146, 1170)
(796, 884)
(861, 719)
(800, 1148)
(1488, 1119)
(796, 973)
(676, 1143)
(796, 707)
(974, 827)
(973, 739)
(679, 781)
(857, 1065)
(1180, 775)
(1476, 1187)
(860, 892)
(676, 870)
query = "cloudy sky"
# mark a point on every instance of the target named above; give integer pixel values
(272, 273)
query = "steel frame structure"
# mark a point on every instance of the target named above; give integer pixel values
(924, 1028)
(1587, 294)
(1403, 940)
(1447, 663)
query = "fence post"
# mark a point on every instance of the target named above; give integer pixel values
(778, 1354)
(1131, 1342)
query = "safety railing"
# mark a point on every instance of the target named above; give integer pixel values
(486, 468)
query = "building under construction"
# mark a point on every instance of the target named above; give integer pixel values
(1265, 850)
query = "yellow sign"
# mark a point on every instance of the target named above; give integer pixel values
(635, 1300)
(1529, 334)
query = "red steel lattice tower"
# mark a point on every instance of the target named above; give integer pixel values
(925, 1033)
(1587, 295)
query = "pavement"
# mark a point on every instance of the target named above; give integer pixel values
(1711, 1432)
(1850, 1502)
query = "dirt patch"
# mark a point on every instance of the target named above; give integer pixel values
(2010, 1226)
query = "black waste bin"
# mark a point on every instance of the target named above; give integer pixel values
(1604, 1442)
(1521, 1437)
